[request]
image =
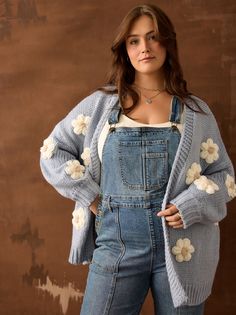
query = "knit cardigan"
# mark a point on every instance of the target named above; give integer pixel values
(200, 184)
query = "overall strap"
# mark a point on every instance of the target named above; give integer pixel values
(114, 114)
(176, 110)
(174, 116)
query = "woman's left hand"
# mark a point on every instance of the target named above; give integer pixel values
(172, 216)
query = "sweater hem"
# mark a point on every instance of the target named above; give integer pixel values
(78, 258)
(196, 294)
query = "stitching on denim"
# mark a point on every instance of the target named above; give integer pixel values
(116, 267)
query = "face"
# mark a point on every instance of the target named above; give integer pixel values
(146, 54)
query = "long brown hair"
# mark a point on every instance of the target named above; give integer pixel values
(122, 73)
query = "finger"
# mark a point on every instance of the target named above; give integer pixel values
(175, 223)
(174, 217)
(169, 211)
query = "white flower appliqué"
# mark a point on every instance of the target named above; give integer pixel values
(48, 148)
(86, 156)
(74, 169)
(80, 124)
(209, 151)
(183, 250)
(203, 183)
(78, 218)
(231, 187)
(193, 173)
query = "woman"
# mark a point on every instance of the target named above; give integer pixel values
(146, 157)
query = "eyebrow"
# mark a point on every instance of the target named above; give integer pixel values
(132, 35)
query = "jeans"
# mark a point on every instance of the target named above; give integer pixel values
(126, 264)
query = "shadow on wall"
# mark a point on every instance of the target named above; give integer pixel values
(23, 11)
(26, 234)
(37, 276)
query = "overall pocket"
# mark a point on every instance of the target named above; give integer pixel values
(143, 164)
(155, 170)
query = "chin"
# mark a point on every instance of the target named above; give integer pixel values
(148, 71)
(148, 68)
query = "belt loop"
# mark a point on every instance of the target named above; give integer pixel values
(108, 203)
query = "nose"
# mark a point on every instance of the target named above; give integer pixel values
(145, 47)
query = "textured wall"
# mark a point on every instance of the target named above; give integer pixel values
(52, 54)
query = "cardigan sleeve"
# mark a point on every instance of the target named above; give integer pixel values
(63, 160)
(205, 199)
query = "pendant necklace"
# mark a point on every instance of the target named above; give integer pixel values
(148, 100)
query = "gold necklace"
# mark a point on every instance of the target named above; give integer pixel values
(148, 100)
(140, 87)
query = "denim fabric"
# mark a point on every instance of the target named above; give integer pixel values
(129, 257)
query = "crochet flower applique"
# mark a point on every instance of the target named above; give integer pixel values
(209, 151)
(203, 183)
(86, 156)
(74, 169)
(78, 218)
(48, 148)
(80, 124)
(183, 250)
(231, 187)
(193, 173)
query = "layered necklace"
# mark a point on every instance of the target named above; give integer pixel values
(148, 100)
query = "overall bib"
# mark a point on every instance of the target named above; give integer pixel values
(129, 257)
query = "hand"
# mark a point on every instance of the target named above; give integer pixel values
(94, 205)
(171, 214)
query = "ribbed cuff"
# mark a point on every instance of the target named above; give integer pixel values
(189, 208)
(87, 191)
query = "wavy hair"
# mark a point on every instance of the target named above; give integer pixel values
(122, 73)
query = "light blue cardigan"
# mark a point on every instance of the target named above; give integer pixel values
(201, 200)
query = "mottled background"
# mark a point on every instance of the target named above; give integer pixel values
(52, 54)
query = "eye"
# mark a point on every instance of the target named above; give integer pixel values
(133, 42)
(152, 37)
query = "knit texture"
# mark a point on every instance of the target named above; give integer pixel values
(201, 200)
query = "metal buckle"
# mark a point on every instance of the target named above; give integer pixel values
(174, 126)
(112, 128)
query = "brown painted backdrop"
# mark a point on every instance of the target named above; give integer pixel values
(52, 54)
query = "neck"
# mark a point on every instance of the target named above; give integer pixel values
(149, 81)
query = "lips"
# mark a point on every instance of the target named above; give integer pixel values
(147, 58)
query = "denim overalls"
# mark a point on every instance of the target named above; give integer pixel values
(129, 255)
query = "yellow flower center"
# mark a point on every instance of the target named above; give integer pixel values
(211, 150)
(184, 251)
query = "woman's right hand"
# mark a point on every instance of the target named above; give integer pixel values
(94, 205)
